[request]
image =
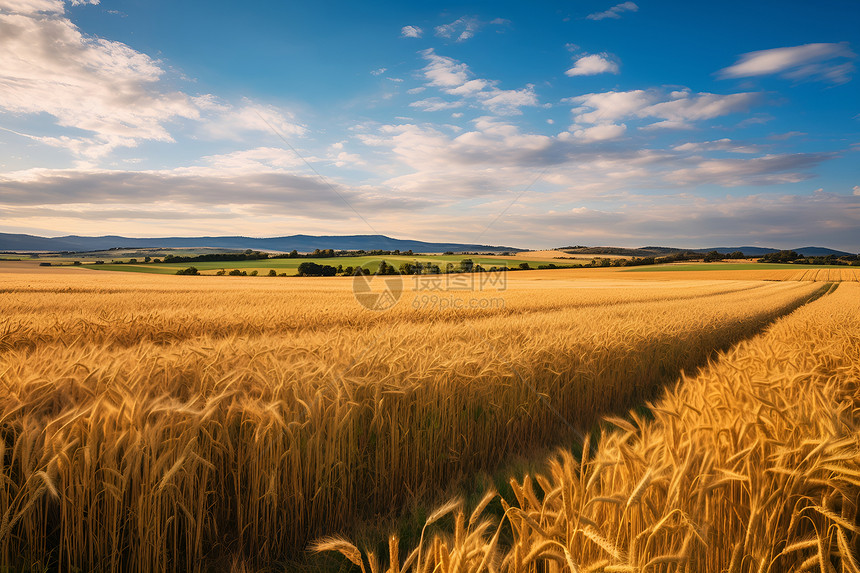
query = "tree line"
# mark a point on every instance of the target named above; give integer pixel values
(795, 258)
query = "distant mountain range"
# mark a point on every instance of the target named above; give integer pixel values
(759, 251)
(307, 243)
(663, 251)
(301, 243)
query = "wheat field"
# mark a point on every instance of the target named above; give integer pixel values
(168, 423)
(150, 422)
(834, 274)
(753, 466)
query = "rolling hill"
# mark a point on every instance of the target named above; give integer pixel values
(302, 243)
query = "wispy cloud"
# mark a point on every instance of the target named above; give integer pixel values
(600, 132)
(676, 109)
(764, 170)
(823, 62)
(454, 78)
(435, 104)
(88, 148)
(724, 144)
(461, 29)
(593, 64)
(224, 121)
(615, 12)
(411, 32)
(465, 27)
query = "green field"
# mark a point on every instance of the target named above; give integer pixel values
(290, 266)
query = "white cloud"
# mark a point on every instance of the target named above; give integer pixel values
(104, 88)
(471, 87)
(588, 160)
(492, 155)
(411, 32)
(495, 156)
(435, 104)
(89, 148)
(614, 12)
(601, 132)
(724, 144)
(112, 93)
(809, 61)
(246, 161)
(764, 170)
(675, 109)
(856, 189)
(666, 124)
(455, 78)
(378, 71)
(462, 28)
(342, 158)
(444, 72)
(759, 119)
(610, 106)
(32, 6)
(693, 107)
(222, 120)
(593, 64)
(508, 102)
(786, 135)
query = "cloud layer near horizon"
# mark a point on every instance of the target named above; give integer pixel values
(280, 203)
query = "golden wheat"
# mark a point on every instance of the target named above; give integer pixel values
(753, 465)
(152, 422)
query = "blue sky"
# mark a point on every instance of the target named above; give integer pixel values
(533, 125)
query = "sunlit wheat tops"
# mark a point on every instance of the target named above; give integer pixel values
(152, 425)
